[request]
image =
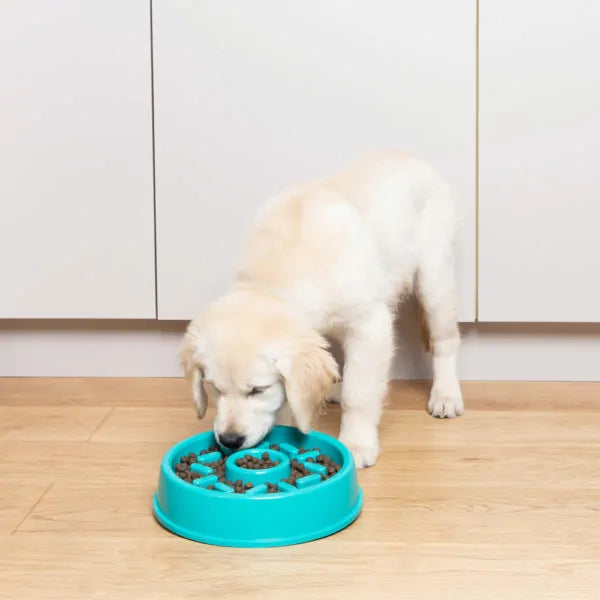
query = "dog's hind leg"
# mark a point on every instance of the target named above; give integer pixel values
(335, 393)
(436, 292)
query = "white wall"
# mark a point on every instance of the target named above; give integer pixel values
(149, 348)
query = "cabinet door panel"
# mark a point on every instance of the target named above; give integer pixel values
(254, 96)
(539, 200)
(76, 222)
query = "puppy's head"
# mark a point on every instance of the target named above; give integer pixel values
(256, 355)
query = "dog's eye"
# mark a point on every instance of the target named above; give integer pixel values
(256, 390)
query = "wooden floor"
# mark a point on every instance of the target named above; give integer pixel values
(501, 503)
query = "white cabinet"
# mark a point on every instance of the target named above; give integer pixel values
(539, 170)
(76, 197)
(254, 96)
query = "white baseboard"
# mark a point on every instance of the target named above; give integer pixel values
(539, 352)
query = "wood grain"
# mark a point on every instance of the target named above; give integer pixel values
(18, 497)
(45, 423)
(500, 504)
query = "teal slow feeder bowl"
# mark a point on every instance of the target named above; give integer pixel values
(209, 511)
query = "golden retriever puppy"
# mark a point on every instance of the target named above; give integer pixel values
(331, 258)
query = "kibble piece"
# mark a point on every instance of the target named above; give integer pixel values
(310, 460)
(249, 485)
(276, 463)
(274, 447)
(265, 456)
(239, 462)
(210, 487)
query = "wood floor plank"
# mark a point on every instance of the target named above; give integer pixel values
(94, 391)
(480, 466)
(102, 464)
(151, 424)
(93, 509)
(507, 428)
(404, 395)
(399, 513)
(398, 427)
(330, 569)
(49, 423)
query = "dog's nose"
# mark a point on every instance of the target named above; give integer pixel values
(231, 440)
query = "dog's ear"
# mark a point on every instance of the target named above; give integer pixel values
(194, 370)
(308, 371)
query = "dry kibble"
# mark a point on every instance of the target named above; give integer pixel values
(262, 461)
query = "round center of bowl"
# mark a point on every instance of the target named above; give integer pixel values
(257, 466)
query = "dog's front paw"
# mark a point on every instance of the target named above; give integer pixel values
(364, 456)
(445, 404)
(364, 447)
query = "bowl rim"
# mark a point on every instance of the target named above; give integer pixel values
(169, 473)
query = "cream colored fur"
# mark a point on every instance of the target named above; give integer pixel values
(331, 258)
